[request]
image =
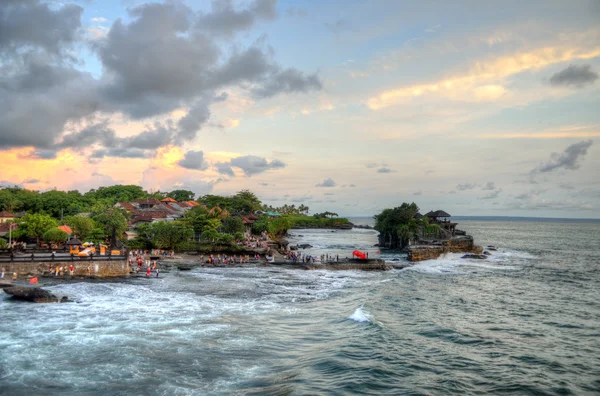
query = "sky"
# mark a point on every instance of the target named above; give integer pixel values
(352, 106)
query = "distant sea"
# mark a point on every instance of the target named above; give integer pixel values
(526, 321)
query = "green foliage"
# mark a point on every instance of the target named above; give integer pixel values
(239, 236)
(261, 225)
(212, 224)
(299, 221)
(35, 225)
(169, 234)
(118, 193)
(279, 226)
(389, 220)
(54, 235)
(181, 195)
(97, 234)
(233, 225)
(224, 239)
(114, 223)
(82, 226)
(3, 243)
(210, 234)
(325, 215)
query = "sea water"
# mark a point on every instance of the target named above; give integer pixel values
(525, 321)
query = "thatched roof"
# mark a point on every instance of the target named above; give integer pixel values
(437, 213)
(73, 242)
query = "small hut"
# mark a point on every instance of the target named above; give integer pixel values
(73, 245)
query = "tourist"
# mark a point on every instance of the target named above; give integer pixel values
(56, 271)
(71, 270)
(2, 275)
(148, 272)
(157, 272)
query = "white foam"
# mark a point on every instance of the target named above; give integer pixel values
(454, 264)
(360, 316)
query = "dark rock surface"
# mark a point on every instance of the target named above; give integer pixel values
(33, 294)
(475, 256)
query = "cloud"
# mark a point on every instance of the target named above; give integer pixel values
(225, 20)
(329, 193)
(488, 186)
(466, 186)
(121, 152)
(39, 154)
(384, 170)
(224, 168)
(249, 164)
(492, 195)
(479, 83)
(326, 183)
(162, 57)
(352, 185)
(99, 20)
(193, 160)
(418, 193)
(568, 159)
(32, 181)
(574, 76)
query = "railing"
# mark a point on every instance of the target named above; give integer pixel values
(52, 258)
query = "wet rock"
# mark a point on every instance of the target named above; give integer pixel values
(475, 256)
(487, 253)
(490, 247)
(304, 246)
(33, 294)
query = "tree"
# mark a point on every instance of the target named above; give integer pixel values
(278, 227)
(233, 225)
(212, 224)
(181, 195)
(114, 223)
(81, 225)
(3, 243)
(55, 235)
(118, 193)
(169, 234)
(210, 234)
(245, 201)
(398, 225)
(35, 225)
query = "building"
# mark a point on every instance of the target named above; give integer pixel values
(6, 216)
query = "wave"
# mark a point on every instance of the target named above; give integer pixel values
(454, 264)
(361, 316)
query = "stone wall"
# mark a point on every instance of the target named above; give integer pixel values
(462, 244)
(95, 268)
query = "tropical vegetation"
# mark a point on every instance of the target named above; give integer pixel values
(218, 222)
(402, 224)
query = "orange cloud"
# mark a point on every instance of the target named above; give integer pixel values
(477, 83)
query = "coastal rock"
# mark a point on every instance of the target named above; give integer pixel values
(5, 283)
(33, 294)
(304, 246)
(475, 256)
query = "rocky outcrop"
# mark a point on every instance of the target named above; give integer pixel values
(353, 264)
(475, 256)
(460, 244)
(33, 294)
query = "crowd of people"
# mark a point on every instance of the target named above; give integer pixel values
(256, 242)
(224, 259)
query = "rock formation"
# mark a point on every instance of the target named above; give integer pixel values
(33, 294)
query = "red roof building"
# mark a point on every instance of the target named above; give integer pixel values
(168, 199)
(127, 206)
(66, 229)
(6, 216)
(4, 228)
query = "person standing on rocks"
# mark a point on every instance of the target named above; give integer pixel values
(2, 275)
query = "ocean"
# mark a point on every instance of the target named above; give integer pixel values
(526, 321)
